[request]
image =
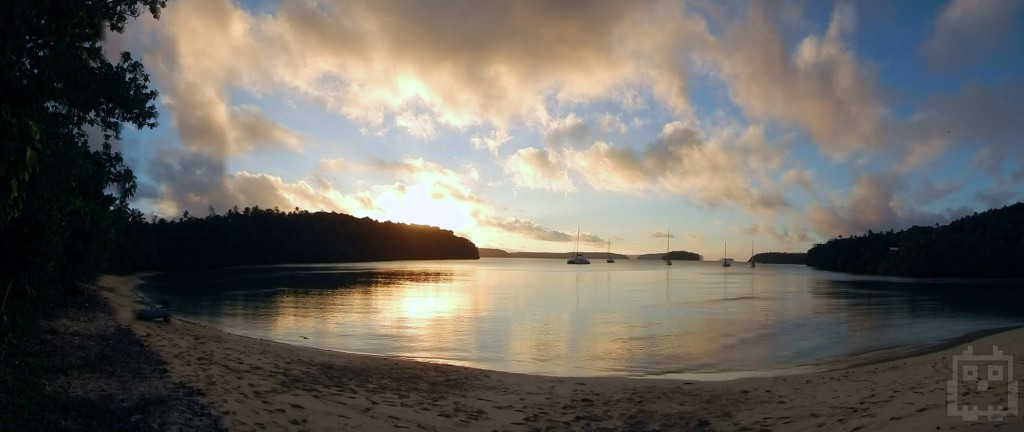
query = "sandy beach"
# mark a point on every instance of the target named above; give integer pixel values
(260, 385)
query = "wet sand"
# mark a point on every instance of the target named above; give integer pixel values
(260, 385)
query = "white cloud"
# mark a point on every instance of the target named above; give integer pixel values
(574, 75)
(571, 131)
(529, 229)
(820, 86)
(709, 172)
(492, 141)
(250, 130)
(611, 123)
(539, 169)
(334, 165)
(421, 125)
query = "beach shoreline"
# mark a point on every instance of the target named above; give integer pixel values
(258, 384)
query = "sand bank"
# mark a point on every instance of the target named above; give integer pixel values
(261, 385)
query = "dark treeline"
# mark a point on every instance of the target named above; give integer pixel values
(255, 236)
(674, 255)
(988, 244)
(780, 258)
(493, 253)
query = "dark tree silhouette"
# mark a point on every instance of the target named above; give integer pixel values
(989, 244)
(60, 191)
(257, 236)
(780, 258)
(674, 255)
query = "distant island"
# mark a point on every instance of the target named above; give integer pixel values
(498, 253)
(255, 236)
(674, 255)
(988, 244)
(780, 258)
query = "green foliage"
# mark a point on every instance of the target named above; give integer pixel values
(257, 236)
(989, 244)
(60, 191)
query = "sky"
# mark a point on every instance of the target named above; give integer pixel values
(762, 125)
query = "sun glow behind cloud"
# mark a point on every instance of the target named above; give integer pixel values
(417, 204)
(513, 123)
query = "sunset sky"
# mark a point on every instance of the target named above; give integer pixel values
(513, 123)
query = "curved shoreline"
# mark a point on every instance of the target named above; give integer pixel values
(256, 384)
(862, 359)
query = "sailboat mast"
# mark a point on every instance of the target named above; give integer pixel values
(668, 249)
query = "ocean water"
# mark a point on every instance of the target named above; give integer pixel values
(630, 318)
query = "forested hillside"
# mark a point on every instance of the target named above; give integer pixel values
(493, 253)
(780, 258)
(674, 255)
(257, 236)
(989, 244)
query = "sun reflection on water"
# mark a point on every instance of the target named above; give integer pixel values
(538, 317)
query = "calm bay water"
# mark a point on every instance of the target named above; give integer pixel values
(627, 318)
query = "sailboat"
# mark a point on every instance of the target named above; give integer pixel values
(578, 258)
(725, 256)
(752, 263)
(668, 235)
(610, 259)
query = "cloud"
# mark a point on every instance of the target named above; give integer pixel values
(783, 236)
(681, 162)
(876, 202)
(251, 130)
(820, 86)
(797, 177)
(969, 32)
(487, 64)
(662, 234)
(982, 115)
(539, 169)
(978, 121)
(571, 131)
(711, 172)
(492, 141)
(420, 125)
(612, 124)
(529, 229)
(411, 66)
(195, 182)
(334, 165)
(194, 52)
(585, 85)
